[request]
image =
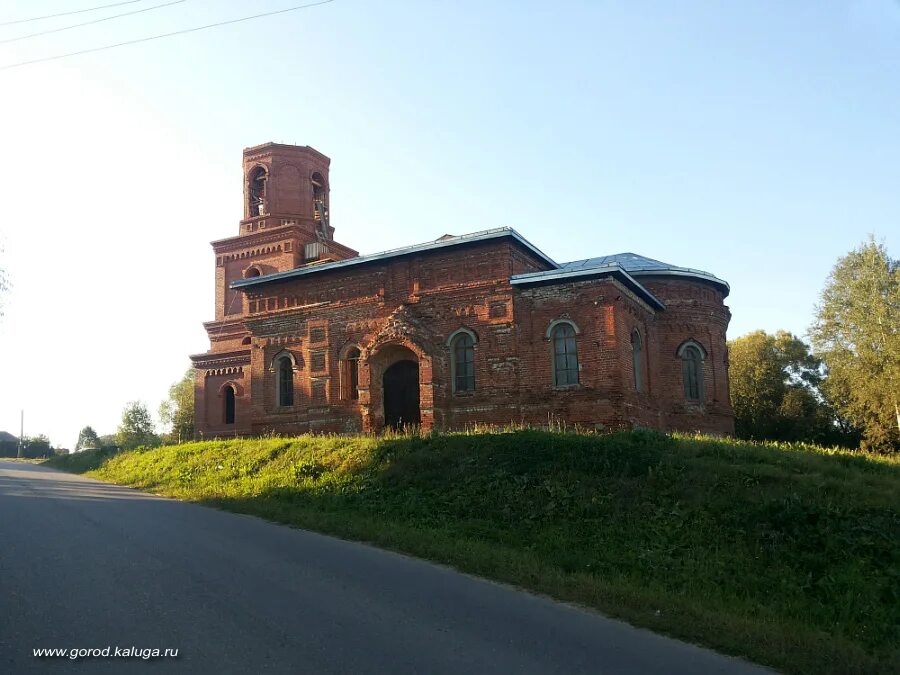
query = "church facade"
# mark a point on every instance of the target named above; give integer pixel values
(481, 328)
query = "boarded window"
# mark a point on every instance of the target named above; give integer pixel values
(317, 361)
(692, 373)
(318, 390)
(463, 363)
(565, 355)
(350, 376)
(637, 360)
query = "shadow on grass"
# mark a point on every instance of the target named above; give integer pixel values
(81, 462)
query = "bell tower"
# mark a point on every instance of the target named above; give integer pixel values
(285, 223)
(286, 183)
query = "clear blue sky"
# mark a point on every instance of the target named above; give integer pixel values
(758, 141)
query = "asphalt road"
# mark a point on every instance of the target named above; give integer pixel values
(84, 564)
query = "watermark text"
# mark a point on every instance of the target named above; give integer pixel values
(108, 652)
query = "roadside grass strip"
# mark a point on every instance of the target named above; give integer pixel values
(786, 554)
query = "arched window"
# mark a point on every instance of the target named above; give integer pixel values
(229, 405)
(692, 370)
(246, 341)
(257, 191)
(350, 375)
(565, 354)
(285, 377)
(252, 272)
(637, 360)
(462, 361)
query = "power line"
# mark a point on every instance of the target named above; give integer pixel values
(90, 23)
(164, 35)
(77, 11)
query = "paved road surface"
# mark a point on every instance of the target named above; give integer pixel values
(86, 564)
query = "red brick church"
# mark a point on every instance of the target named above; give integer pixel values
(480, 328)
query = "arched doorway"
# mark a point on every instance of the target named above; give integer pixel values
(401, 394)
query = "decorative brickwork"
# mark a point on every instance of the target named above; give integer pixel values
(284, 287)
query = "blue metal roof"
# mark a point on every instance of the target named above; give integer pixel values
(443, 242)
(638, 265)
(627, 266)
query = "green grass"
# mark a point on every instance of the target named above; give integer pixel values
(788, 555)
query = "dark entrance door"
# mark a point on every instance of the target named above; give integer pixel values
(401, 394)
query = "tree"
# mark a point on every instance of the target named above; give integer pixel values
(857, 334)
(108, 441)
(177, 412)
(87, 438)
(36, 446)
(136, 427)
(774, 383)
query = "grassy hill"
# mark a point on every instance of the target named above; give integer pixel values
(786, 554)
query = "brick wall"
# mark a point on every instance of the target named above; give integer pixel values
(407, 308)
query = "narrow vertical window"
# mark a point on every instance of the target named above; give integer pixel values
(565, 355)
(229, 404)
(285, 382)
(463, 362)
(350, 376)
(637, 360)
(692, 372)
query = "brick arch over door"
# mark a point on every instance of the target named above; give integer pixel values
(375, 362)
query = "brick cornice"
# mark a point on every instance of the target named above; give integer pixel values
(267, 236)
(266, 150)
(218, 360)
(227, 328)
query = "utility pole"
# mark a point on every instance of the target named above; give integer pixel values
(21, 435)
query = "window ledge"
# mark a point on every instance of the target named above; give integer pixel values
(567, 387)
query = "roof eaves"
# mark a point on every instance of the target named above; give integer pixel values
(696, 274)
(600, 271)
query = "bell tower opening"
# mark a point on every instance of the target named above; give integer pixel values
(257, 191)
(320, 203)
